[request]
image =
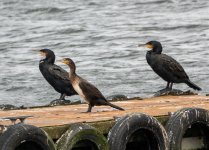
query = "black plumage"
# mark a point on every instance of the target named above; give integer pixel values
(85, 89)
(56, 76)
(166, 67)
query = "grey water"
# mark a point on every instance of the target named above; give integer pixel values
(101, 36)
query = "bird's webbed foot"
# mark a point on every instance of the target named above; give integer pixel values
(60, 101)
(169, 91)
(165, 91)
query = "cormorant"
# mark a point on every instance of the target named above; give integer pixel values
(86, 90)
(56, 76)
(166, 67)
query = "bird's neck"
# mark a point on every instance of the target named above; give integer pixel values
(49, 60)
(157, 50)
(72, 71)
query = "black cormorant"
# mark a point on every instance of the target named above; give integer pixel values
(86, 90)
(166, 67)
(57, 77)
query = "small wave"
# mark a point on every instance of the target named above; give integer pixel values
(71, 30)
(46, 10)
(93, 4)
(152, 2)
(9, 2)
(15, 88)
(171, 28)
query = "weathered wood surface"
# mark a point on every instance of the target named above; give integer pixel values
(63, 115)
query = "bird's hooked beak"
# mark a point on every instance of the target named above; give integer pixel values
(150, 46)
(64, 61)
(141, 45)
(42, 53)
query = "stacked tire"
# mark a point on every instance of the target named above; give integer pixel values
(82, 137)
(138, 131)
(25, 137)
(192, 121)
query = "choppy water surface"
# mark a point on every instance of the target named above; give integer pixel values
(101, 36)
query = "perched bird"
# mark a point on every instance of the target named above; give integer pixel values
(57, 77)
(166, 67)
(86, 90)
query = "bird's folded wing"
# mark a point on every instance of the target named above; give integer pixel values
(89, 90)
(172, 66)
(59, 73)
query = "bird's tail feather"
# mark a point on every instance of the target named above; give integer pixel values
(114, 106)
(192, 85)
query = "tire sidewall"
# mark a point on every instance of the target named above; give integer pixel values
(120, 134)
(181, 120)
(17, 134)
(81, 132)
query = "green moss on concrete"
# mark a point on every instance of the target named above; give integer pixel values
(103, 126)
(162, 119)
(56, 132)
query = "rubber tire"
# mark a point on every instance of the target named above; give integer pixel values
(20, 133)
(126, 126)
(81, 132)
(180, 121)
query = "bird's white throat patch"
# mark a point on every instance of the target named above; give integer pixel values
(77, 88)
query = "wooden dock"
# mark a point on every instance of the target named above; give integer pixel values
(55, 120)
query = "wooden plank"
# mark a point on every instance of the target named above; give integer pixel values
(63, 115)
